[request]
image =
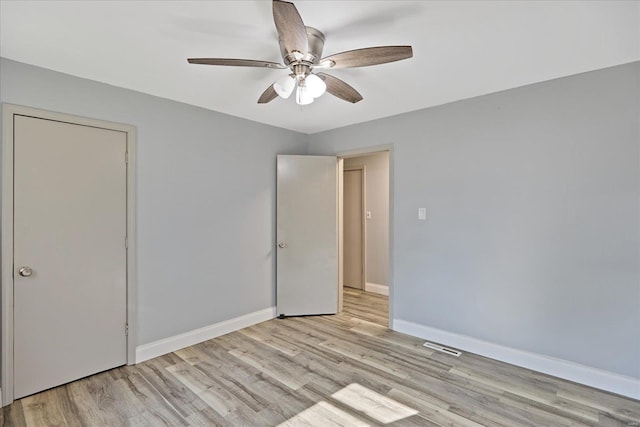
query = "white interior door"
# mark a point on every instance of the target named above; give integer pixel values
(69, 252)
(307, 235)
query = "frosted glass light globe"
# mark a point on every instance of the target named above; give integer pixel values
(302, 96)
(315, 85)
(284, 86)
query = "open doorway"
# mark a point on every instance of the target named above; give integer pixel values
(365, 254)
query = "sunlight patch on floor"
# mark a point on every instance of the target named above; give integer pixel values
(323, 414)
(373, 404)
(370, 403)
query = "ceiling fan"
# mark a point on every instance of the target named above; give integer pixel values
(301, 49)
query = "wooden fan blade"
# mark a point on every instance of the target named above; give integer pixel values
(268, 95)
(369, 56)
(235, 62)
(291, 29)
(340, 89)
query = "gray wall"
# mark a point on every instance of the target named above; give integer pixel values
(532, 195)
(532, 232)
(377, 202)
(205, 194)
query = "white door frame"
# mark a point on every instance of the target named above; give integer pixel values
(8, 112)
(363, 223)
(363, 152)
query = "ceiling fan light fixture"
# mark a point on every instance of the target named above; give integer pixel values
(284, 86)
(303, 97)
(315, 85)
(301, 50)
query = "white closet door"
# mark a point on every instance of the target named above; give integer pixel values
(69, 252)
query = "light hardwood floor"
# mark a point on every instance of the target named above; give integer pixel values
(347, 369)
(367, 306)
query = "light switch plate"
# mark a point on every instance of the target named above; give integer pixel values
(422, 214)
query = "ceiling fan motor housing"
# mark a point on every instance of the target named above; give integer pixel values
(314, 52)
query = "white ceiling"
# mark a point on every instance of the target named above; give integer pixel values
(461, 49)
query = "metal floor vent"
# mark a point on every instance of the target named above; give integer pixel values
(442, 349)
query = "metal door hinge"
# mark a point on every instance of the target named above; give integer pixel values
(126, 157)
(126, 242)
(126, 329)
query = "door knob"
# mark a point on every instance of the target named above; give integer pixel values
(25, 271)
(282, 244)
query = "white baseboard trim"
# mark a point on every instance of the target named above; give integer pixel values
(376, 288)
(598, 378)
(176, 342)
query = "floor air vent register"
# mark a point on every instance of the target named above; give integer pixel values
(442, 349)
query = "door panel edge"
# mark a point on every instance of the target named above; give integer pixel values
(6, 363)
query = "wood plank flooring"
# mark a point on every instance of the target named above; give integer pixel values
(343, 370)
(367, 306)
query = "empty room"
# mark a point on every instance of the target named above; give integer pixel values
(320, 213)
